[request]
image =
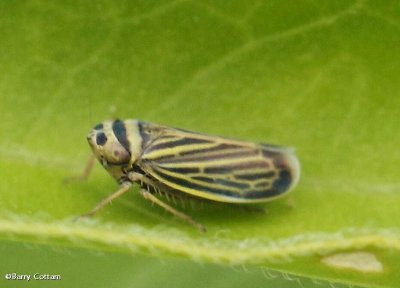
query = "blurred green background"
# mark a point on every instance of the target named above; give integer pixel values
(79, 268)
(320, 76)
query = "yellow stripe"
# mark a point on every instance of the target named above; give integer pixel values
(212, 163)
(175, 150)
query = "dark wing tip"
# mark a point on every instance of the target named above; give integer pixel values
(288, 166)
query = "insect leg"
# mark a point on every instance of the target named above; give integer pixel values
(147, 195)
(137, 177)
(85, 174)
(123, 188)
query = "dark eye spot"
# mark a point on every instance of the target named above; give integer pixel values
(116, 153)
(98, 126)
(101, 139)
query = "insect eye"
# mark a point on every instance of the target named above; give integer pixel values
(101, 139)
(148, 131)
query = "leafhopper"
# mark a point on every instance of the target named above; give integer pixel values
(174, 162)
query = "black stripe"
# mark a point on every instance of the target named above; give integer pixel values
(283, 182)
(145, 136)
(195, 186)
(182, 170)
(256, 176)
(212, 149)
(119, 130)
(261, 194)
(270, 153)
(181, 142)
(137, 169)
(281, 162)
(231, 168)
(279, 186)
(98, 126)
(223, 182)
(204, 158)
(262, 184)
(273, 146)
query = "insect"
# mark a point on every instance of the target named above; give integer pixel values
(175, 162)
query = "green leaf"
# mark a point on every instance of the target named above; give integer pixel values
(321, 77)
(82, 268)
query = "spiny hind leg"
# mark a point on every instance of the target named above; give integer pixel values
(143, 180)
(123, 188)
(147, 195)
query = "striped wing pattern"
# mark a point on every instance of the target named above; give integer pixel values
(219, 169)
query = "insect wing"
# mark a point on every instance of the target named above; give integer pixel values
(219, 169)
